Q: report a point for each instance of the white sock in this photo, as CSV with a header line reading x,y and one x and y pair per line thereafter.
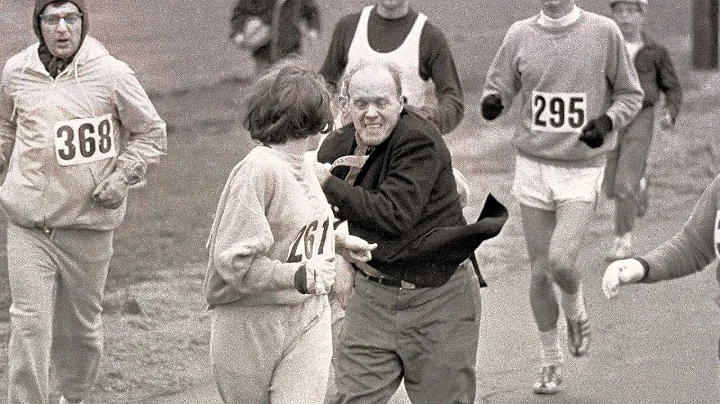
x,y
573,304
551,354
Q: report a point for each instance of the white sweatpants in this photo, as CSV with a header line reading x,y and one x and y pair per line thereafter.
x,y
56,284
272,353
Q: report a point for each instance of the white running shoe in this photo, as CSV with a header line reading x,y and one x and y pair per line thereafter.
x,y
549,381
621,248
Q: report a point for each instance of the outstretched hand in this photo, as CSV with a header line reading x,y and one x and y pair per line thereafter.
x,y
620,273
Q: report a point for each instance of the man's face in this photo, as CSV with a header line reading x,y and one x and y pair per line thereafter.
x,y
373,105
629,17
393,4
61,27
556,6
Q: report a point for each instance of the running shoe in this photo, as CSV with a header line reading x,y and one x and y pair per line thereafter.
x,y
578,336
549,382
621,248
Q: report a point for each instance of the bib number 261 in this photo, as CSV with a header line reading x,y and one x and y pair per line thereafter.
x,y
84,140
558,112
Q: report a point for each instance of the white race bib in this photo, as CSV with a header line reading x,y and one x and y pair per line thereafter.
x,y
558,112
79,141
313,239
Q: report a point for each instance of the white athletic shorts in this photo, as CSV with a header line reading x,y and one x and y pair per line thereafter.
x,y
545,186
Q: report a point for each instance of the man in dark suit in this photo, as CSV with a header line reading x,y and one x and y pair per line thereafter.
x,y
408,318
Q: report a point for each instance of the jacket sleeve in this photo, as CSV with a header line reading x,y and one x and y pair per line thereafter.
x,y
243,238
693,247
147,140
669,84
503,77
439,65
627,94
396,204
8,125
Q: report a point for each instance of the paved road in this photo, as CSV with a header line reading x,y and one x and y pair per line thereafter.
x,y
654,344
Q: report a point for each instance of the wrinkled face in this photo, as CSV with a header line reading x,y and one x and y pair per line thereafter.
x,y
61,27
374,105
629,17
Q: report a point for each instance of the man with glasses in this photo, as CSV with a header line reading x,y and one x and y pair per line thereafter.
x,y
65,107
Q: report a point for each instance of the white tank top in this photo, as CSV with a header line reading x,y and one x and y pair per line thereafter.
x,y
406,56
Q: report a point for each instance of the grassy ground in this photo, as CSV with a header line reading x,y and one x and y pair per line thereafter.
x,y
160,253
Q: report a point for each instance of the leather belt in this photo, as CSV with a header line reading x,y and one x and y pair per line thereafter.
x,y
386,281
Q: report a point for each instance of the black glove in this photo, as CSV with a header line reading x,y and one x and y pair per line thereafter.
x,y
593,134
492,107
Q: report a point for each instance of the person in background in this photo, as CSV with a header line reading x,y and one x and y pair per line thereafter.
x,y
576,85
272,30
625,180
393,32
272,250
76,131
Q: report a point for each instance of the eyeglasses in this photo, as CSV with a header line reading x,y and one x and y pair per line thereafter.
x,y
54,19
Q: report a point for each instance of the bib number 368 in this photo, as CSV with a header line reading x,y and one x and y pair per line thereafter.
x,y
84,140
558,112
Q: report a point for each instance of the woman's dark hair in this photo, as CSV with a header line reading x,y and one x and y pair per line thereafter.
x,y
290,102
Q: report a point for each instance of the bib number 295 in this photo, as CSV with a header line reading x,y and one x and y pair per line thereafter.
x,y
558,112
84,140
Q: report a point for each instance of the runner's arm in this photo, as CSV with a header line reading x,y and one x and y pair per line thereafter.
x,y
437,63
7,125
147,131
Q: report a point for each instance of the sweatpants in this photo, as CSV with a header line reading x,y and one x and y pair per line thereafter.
x,y
626,166
57,279
275,354
426,336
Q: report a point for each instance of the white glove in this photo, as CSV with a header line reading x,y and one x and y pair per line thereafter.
x,y
620,273
111,191
316,276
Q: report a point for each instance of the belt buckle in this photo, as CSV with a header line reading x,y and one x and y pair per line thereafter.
x,y
406,285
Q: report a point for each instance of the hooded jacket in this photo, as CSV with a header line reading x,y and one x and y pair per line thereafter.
x,y
39,118
52,63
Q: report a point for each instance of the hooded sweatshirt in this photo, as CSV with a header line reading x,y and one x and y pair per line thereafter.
x,y
53,64
60,137
272,215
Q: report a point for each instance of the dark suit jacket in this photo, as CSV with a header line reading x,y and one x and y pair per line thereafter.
x,y
404,190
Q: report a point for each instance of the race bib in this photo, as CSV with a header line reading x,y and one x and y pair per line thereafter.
x,y
80,141
314,238
558,112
